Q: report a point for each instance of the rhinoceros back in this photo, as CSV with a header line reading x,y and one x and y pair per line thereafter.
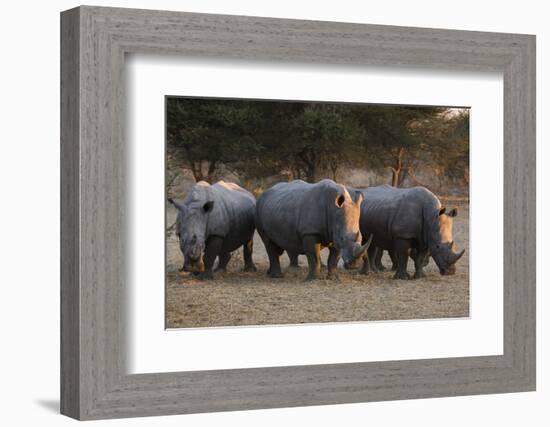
x,y
390,213
232,215
290,210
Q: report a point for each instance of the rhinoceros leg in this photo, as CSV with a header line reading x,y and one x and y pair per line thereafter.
x,y
223,260
212,250
273,253
401,250
374,257
332,263
378,260
413,254
293,258
368,260
247,255
393,260
420,257
312,248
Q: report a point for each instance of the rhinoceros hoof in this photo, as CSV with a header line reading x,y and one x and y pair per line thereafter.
x,y
249,268
205,275
419,275
275,275
311,278
402,275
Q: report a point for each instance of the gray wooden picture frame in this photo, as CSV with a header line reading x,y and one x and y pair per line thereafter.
x,y
94,381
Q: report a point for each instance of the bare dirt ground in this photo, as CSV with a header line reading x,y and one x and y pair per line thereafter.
x,y
236,298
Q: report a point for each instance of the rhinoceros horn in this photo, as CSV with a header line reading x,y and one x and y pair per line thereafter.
x,y
359,250
456,257
174,203
177,205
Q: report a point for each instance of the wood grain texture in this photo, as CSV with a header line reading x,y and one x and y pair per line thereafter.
x,y
70,258
95,383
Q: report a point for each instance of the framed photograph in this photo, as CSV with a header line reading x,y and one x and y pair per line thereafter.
x,y
369,168
262,213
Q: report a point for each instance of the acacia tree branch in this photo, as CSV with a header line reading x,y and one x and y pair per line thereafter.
x,y
212,169
416,180
303,156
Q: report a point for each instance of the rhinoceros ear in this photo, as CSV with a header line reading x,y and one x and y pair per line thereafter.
x,y
442,210
453,213
207,207
174,203
358,197
340,199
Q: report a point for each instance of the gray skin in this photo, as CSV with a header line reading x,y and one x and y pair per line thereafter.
x,y
293,258
407,221
301,218
213,221
293,261
373,261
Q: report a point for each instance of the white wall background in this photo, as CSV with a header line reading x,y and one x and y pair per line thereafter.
x,y
29,212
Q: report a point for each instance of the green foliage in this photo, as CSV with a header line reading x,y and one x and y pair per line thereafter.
x,y
450,144
307,140
205,131
323,135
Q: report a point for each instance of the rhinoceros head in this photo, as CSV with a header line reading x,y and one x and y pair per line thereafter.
x,y
442,247
346,236
191,232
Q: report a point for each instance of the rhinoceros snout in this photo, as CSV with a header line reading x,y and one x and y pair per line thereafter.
x,y
193,265
449,271
351,265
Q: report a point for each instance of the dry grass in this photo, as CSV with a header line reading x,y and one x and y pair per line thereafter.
x,y
237,298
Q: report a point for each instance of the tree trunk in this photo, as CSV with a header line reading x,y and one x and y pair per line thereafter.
x,y
402,176
211,171
311,173
198,170
397,168
309,158
333,165
294,171
466,175
395,177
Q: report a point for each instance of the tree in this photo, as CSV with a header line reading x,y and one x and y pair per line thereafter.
x,y
202,134
322,134
449,148
394,136
258,140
